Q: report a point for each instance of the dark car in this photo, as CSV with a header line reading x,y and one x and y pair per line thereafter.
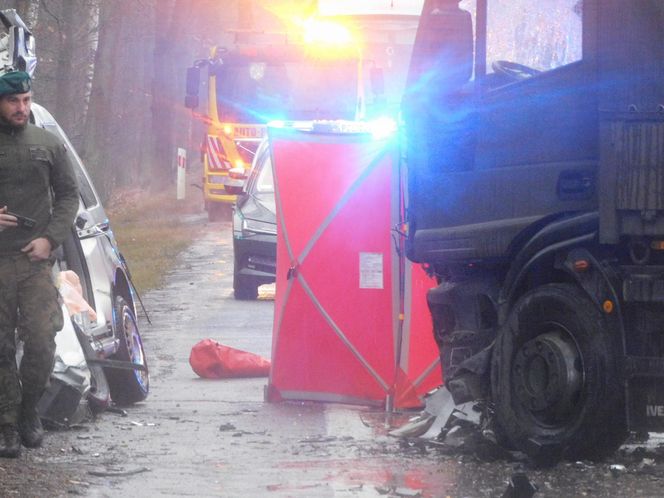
x,y
255,229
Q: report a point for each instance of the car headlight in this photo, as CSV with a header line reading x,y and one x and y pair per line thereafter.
x,y
258,226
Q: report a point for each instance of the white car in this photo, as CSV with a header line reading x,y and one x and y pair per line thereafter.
x,y
111,343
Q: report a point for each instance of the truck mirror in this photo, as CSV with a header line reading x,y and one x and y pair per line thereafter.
x,y
191,101
443,46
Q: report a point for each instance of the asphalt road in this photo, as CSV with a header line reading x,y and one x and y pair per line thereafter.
x,y
218,438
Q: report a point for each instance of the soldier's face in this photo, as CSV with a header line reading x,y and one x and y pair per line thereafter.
x,y
15,109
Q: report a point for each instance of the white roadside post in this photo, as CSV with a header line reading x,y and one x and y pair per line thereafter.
x,y
182,170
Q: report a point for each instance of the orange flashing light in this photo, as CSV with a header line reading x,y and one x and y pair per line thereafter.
x,y
228,130
239,163
581,265
608,306
328,33
657,245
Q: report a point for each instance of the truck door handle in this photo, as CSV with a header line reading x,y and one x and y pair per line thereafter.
x,y
576,185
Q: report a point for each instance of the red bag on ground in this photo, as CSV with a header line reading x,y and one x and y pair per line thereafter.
x,y
212,360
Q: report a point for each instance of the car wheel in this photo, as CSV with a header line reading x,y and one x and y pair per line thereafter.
x,y
556,385
127,386
244,288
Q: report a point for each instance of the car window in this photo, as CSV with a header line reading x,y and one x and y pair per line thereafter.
x,y
264,182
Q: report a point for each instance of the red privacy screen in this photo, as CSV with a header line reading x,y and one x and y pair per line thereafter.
x,y
350,323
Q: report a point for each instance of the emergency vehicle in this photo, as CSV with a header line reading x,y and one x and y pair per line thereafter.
x,y
311,71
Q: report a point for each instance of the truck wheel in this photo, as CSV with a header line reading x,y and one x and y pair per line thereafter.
x,y
127,386
555,381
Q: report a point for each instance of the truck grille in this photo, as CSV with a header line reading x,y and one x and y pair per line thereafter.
x,y
638,152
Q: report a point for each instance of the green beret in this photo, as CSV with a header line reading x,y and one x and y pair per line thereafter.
x,y
14,82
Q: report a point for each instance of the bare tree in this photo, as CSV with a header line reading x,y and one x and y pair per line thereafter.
x,y
97,140
112,72
28,10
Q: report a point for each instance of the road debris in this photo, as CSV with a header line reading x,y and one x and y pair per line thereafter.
x,y
519,487
398,491
117,410
118,473
212,360
617,469
407,492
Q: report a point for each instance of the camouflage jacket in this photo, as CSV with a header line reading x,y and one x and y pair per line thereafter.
x,y
37,181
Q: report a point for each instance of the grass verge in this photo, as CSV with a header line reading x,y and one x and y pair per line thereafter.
x,y
152,230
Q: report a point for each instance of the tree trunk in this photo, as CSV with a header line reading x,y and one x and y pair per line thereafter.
x,y
63,71
29,11
98,141
163,91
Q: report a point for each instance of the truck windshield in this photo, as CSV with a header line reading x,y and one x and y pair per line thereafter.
x,y
255,91
539,35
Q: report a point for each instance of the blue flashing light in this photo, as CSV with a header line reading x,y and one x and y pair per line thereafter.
x,y
382,127
379,128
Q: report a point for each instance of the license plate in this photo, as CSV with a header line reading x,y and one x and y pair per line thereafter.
x,y
646,404
249,132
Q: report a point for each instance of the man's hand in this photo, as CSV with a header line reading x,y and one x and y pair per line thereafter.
x,y
7,220
38,249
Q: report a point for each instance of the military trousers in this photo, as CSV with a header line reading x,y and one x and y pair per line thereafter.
x,y
30,310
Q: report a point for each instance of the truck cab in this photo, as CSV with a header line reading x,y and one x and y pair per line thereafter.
x,y
535,153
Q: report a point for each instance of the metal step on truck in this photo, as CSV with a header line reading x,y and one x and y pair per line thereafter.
x,y
535,184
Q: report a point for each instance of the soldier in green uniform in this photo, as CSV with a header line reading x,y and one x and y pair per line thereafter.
x,y
37,182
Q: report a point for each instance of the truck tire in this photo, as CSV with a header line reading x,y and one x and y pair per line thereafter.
x,y
127,386
555,379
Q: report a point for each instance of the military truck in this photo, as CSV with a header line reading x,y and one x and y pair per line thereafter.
x,y
535,186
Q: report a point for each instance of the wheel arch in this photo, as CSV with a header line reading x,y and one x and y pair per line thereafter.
x,y
122,286
539,269
547,256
